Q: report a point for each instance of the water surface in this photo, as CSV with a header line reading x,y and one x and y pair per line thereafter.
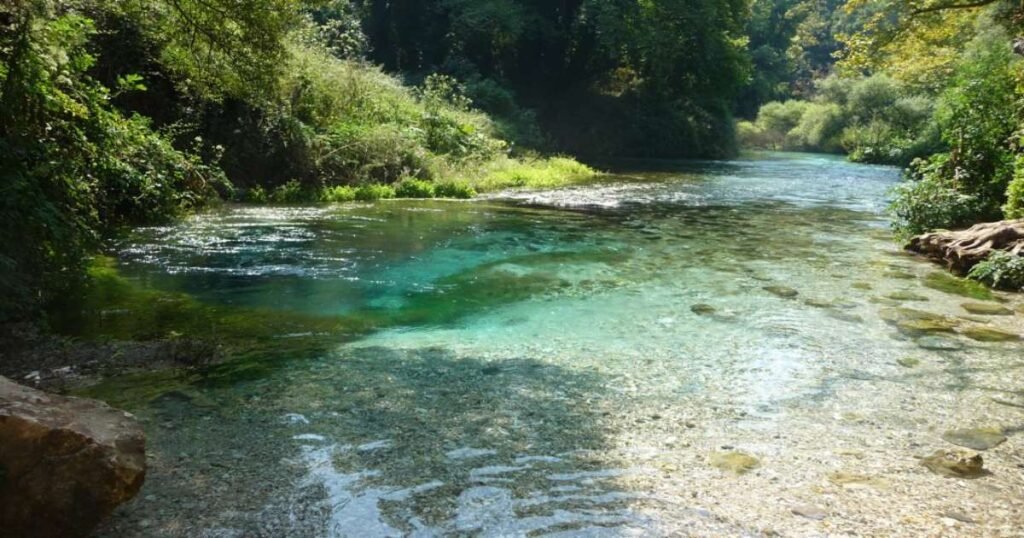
x,y
566,363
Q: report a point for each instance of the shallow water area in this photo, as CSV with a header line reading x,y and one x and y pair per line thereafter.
x,y
569,363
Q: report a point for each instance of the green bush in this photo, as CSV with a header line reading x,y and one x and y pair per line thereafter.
x,y
414,188
1014,208
927,201
454,189
374,191
257,195
1001,270
338,194
292,192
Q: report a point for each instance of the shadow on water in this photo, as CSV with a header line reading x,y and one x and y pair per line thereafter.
x,y
391,421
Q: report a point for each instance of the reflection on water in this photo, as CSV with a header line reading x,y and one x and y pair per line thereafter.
x,y
566,362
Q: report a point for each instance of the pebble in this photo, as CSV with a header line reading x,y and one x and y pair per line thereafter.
x,y
809,511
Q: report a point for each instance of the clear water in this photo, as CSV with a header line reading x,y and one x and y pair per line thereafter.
x,y
535,365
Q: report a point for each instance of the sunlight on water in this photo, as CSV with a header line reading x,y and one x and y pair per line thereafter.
x,y
569,362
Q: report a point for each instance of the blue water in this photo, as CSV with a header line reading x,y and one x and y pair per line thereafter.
x,y
567,362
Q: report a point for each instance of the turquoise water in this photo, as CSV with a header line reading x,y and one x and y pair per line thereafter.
x,y
568,362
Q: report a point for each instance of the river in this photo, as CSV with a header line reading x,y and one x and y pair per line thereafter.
x,y
571,362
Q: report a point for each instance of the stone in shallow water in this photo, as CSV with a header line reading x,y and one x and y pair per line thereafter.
x,y
703,309
985,334
782,291
938,343
987,309
955,463
734,462
926,326
947,283
861,286
908,362
906,296
809,511
818,303
976,438
853,480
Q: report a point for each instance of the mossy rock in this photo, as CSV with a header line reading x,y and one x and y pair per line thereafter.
x,y
734,462
987,309
975,438
703,309
915,327
782,291
955,464
987,334
905,295
938,343
853,480
908,362
861,286
818,303
947,283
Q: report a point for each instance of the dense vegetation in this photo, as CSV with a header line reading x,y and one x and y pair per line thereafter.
x,y
119,112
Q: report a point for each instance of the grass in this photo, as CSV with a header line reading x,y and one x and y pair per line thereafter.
x,y
528,173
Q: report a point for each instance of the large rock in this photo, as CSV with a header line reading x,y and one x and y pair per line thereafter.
x,y
961,250
65,463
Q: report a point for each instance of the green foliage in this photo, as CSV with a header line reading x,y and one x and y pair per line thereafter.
x,y
1001,270
1014,208
340,193
71,166
871,119
535,173
927,201
414,188
373,192
454,189
292,192
257,195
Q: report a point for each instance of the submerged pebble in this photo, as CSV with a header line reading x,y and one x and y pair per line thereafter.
x,y
987,309
735,462
782,291
986,334
809,511
955,463
976,438
938,343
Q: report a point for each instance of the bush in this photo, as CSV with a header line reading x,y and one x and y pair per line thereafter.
x,y
374,191
454,189
292,192
1014,208
257,195
1001,270
340,193
927,201
414,188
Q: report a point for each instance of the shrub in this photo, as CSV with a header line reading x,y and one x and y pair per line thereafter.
x,y
257,195
292,192
340,193
1014,208
927,201
454,189
1001,270
414,188
374,191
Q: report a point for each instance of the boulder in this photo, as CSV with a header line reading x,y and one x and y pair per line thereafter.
x,y
961,250
65,463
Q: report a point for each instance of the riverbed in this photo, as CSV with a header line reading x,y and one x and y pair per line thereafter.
x,y
572,363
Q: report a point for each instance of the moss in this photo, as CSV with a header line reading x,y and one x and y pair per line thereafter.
x,y
947,283
530,173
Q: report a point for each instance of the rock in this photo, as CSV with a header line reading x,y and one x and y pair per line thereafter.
x,y
809,511
975,438
734,462
782,291
961,250
853,481
818,303
67,462
915,327
955,463
987,309
908,362
861,286
952,285
703,309
959,516
938,343
986,334
905,295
